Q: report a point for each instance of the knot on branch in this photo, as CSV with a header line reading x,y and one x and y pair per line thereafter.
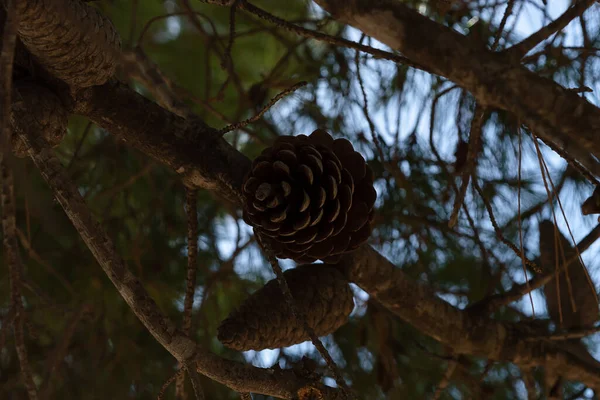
x,y
36,110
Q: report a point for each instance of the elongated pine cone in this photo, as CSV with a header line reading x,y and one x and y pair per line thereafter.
x,y
312,196
581,292
592,204
35,109
71,39
264,321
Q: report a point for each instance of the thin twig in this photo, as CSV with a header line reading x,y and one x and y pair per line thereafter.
x,y
37,258
133,21
520,220
578,158
238,376
7,322
537,207
60,351
192,248
86,131
26,373
227,59
136,64
520,49
445,379
191,209
289,299
15,268
266,108
131,179
507,13
9,40
338,41
11,247
543,166
499,234
573,334
151,21
366,106
469,170
196,385
530,382
517,291
165,386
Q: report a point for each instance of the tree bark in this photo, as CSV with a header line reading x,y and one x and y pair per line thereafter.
x,y
495,79
216,165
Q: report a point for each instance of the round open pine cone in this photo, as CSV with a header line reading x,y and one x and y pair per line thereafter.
x,y
264,321
312,197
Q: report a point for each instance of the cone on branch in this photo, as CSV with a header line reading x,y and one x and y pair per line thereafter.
x,y
311,196
264,321
592,204
36,109
571,300
70,39
574,287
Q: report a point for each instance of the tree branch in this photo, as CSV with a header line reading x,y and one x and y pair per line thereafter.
x,y
190,147
240,377
411,301
463,332
519,50
494,302
15,268
551,111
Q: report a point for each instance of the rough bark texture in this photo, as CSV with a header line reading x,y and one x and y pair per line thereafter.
x,y
237,376
191,148
205,160
463,332
413,302
495,79
40,110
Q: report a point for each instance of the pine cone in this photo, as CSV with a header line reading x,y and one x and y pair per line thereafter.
x,y
592,204
263,321
312,196
36,110
71,39
584,296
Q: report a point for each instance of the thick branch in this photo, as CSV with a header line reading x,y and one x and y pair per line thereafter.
x,y
462,331
496,80
240,377
191,148
411,301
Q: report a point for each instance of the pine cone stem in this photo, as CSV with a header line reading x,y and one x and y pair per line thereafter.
x,y
299,315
